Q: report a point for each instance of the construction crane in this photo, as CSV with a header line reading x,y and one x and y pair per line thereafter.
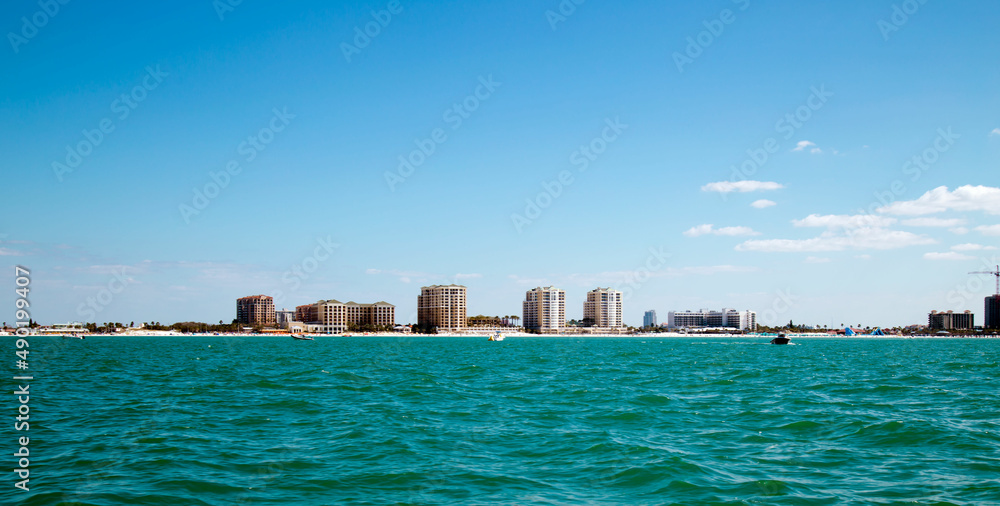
x,y
995,273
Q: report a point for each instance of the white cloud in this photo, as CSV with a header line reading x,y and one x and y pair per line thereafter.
x,y
762,203
523,281
933,222
727,231
816,260
844,221
972,247
711,269
988,229
622,278
863,257
996,131
802,145
6,252
857,239
959,230
699,230
409,276
741,186
951,255
964,198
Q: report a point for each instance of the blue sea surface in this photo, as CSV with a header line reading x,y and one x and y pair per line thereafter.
x,y
566,420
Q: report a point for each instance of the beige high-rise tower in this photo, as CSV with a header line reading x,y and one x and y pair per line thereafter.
x,y
603,308
442,306
544,310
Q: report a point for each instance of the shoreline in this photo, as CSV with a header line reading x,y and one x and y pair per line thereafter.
x,y
665,335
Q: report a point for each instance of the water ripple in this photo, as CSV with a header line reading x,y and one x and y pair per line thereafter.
x,y
435,420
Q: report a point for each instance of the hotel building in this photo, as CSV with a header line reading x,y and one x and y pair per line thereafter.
x,y
727,318
544,310
649,319
603,308
992,312
334,317
442,307
255,310
950,320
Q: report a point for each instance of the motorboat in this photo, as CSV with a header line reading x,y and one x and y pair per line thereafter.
x,y
781,339
498,336
301,337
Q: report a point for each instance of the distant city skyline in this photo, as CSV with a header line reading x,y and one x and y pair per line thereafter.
x,y
828,164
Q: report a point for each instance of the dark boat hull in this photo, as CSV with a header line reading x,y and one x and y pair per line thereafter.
x,y
780,340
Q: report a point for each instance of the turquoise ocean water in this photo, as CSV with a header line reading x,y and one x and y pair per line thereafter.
x,y
447,420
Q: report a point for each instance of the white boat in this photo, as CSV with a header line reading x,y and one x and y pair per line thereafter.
x,y
301,337
498,336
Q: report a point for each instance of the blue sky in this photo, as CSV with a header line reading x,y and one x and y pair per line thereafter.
x,y
638,129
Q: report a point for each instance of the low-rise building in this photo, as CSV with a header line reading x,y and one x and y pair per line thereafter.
x,y
282,317
727,318
335,317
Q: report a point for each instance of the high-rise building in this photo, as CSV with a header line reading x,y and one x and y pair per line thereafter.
x,y
992,312
950,320
255,310
649,319
727,318
335,317
442,307
603,308
544,309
